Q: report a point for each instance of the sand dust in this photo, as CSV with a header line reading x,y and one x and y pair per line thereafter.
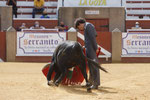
x,y
25,81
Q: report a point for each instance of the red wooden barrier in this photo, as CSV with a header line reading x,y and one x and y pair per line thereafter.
x,y
3,46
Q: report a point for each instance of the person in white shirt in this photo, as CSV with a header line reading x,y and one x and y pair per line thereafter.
x,y
37,26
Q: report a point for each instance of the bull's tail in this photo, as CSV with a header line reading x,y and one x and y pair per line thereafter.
x,y
92,62
95,63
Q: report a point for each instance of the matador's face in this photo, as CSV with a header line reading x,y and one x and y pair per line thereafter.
x,y
81,27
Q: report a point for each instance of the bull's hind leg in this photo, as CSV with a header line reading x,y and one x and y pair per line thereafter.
x,y
51,69
83,70
61,77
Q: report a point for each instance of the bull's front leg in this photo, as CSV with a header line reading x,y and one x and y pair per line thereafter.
x,y
51,69
61,77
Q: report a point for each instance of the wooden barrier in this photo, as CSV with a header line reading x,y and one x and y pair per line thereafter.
x,y
3,46
11,44
116,45
104,41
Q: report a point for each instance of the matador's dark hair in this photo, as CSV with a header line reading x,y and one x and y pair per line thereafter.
x,y
79,21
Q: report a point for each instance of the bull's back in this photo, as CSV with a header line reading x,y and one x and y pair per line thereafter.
x,y
68,52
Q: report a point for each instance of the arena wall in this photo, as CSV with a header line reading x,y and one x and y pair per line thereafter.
x,y
116,15
107,40
6,17
116,18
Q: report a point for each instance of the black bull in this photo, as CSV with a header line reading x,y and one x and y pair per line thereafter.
x,y
67,55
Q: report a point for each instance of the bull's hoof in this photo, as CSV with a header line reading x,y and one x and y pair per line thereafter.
x,y
49,83
56,84
88,84
89,90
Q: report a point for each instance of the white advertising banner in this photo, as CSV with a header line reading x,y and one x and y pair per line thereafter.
x,y
38,44
89,3
136,44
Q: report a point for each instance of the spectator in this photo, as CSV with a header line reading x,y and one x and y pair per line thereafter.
x,y
141,17
13,3
62,27
44,14
37,26
38,7
23,26
137,26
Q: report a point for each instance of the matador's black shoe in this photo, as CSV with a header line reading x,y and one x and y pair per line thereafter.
x,y
94,87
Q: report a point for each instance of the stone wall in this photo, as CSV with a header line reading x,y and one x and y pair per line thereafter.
x,y
116,15
5,17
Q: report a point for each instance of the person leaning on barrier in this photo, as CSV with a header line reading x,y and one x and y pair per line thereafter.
x,y
62,27
37,26
137,26
38,7
13,3
91,48
23,26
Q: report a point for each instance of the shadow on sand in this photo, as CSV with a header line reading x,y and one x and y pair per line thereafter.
x,y
77,89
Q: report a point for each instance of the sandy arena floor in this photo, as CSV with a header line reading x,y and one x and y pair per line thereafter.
x,y
25,81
